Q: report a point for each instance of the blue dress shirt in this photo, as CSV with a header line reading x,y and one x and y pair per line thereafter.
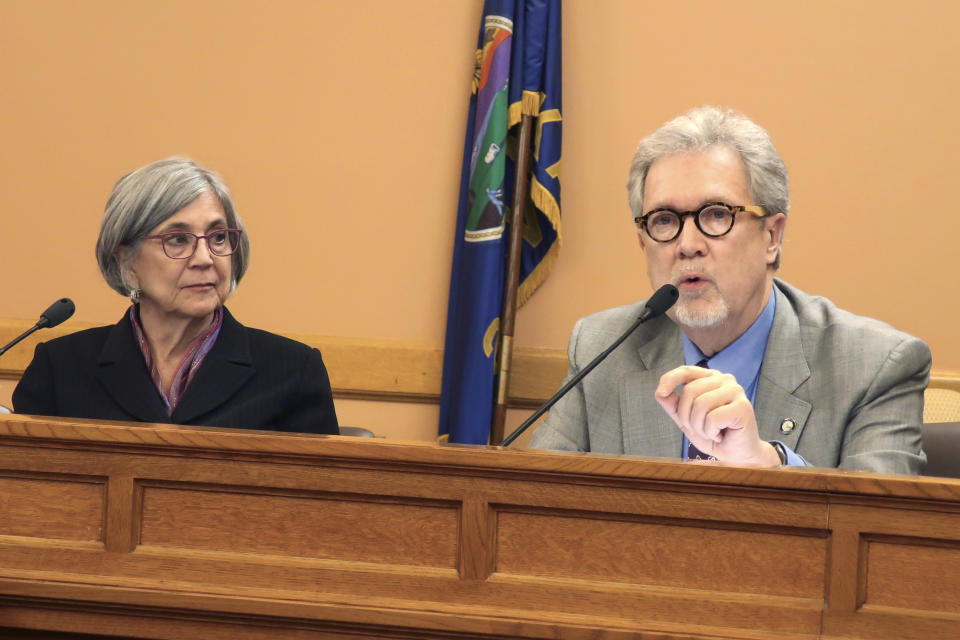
x,y
742,358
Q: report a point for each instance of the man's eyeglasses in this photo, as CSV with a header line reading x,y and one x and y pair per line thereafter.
x,y
181,245
714,219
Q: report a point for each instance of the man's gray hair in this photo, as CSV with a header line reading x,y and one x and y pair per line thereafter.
x,y
707,126
145,198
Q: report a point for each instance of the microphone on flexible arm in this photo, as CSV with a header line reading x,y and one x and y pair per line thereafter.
x,y
54,315
662,299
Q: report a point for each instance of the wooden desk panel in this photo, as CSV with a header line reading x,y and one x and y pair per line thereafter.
x,y
166,532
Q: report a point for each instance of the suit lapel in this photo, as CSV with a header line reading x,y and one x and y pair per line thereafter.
x,y
784,370
651,432
647,429
122,372
224,371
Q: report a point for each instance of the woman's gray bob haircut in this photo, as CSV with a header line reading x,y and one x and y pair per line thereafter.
x,y
145,198
704,127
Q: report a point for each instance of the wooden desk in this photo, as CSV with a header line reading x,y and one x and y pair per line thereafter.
x,y
167,532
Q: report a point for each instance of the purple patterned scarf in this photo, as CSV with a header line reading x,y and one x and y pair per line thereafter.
x,y
189,364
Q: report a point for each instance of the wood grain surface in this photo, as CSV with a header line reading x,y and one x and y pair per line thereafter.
x,y
160,531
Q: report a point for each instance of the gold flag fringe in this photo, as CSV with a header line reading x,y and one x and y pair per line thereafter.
x,y
547,205
538,275
529,104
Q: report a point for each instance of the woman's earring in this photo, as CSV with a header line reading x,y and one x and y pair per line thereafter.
x,y
135,295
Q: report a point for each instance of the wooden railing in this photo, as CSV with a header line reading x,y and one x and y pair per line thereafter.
x,y
382,370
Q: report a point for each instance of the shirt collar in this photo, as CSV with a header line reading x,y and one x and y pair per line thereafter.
x,y
744,355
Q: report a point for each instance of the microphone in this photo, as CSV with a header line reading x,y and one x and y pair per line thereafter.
x,y
659,302
54,315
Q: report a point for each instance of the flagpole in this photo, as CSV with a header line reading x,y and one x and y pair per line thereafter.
x,y
512,283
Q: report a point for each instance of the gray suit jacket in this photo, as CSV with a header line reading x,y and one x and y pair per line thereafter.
x,y
852,386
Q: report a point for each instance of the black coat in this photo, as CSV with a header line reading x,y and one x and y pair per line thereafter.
x,y
250,379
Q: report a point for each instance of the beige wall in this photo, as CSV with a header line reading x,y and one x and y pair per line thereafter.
x,y
339,126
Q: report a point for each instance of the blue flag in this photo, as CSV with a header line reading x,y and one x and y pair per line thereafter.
x,y
517,73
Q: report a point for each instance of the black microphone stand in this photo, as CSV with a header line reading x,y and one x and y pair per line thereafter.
x,y
54,315
19,338
571,383
659,302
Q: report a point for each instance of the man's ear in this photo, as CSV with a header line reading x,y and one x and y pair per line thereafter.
x,y
643,246
774,228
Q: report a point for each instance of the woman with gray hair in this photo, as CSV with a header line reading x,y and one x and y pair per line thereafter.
x,y
172,241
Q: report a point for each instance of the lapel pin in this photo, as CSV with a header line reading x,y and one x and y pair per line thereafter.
x,y
787,426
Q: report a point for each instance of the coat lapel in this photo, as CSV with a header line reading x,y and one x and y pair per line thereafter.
x,y
784,370
122,372
647,429
224,371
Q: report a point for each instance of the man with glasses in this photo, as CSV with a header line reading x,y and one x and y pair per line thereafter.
x,y
744,368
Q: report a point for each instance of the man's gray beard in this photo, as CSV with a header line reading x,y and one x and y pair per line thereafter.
x,y
708,316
